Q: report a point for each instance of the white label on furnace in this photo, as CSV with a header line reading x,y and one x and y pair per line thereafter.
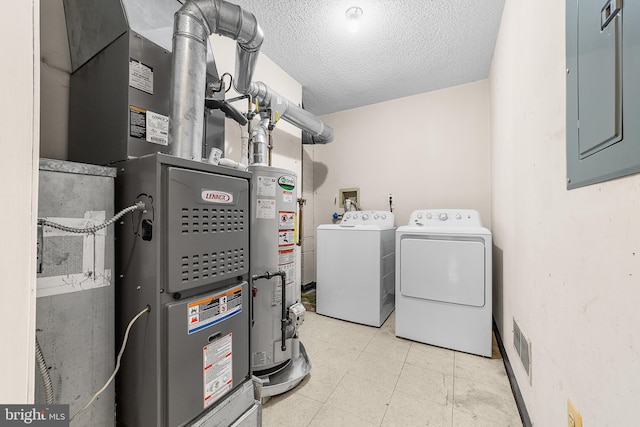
x,y
265,208
140,76
218,369
266,186
287,196
157,128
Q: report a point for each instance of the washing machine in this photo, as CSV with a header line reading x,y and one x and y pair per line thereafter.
x,y
355,272
443,280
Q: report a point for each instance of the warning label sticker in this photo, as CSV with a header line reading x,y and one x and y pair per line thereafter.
x,y
137,122
217,360
140,76
148,125
287,220
208,311
289,269
285,238
285,256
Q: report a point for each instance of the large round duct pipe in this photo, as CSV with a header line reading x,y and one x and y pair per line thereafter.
x,y
291,113
193,23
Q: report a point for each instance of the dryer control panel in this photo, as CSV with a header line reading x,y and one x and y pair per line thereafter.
x,y
446,218
378,218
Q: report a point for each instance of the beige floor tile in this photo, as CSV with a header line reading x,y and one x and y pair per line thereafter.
x,y
406,410
335,357
361,398
483,401
311,344
352,336
431,357
320,383
465,419
481,369
392,347
426,384
322,328
329,416
289,410
377,368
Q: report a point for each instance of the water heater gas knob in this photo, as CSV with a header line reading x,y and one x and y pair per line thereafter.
x,y
443,217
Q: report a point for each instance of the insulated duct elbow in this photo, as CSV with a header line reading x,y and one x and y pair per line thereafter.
x,y
291,113
193,24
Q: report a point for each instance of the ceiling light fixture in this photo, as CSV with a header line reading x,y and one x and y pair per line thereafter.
x,y
353,14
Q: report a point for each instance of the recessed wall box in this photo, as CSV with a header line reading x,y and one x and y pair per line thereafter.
x,y
602,88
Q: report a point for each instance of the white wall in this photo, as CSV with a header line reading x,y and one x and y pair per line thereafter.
x,y
569,261
19,121
429,150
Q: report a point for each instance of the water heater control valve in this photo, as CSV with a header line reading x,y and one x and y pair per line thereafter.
x,y
296,314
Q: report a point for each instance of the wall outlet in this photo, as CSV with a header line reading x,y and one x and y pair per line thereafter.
x,y
575,419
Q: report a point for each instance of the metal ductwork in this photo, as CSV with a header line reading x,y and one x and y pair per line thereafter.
x,y
193,23
291,113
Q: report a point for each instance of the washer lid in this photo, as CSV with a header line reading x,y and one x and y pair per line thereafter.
x,y
436,269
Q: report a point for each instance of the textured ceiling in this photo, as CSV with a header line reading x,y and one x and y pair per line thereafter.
x,y
403,47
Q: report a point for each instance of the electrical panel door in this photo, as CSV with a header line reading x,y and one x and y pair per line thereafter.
x,y
603,56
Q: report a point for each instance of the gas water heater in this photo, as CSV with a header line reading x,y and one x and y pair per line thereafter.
x,y
278,357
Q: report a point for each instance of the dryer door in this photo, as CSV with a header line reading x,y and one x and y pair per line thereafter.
x,y
443,269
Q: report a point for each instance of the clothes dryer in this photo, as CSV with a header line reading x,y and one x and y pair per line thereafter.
x,y
355,277
443,280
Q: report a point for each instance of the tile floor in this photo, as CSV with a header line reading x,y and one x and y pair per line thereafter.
x,y
366,376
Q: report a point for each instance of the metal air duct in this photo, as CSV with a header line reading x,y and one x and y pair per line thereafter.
x,y
194,22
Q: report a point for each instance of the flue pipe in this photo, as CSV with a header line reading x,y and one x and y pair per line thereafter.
x,y
193,23
291,113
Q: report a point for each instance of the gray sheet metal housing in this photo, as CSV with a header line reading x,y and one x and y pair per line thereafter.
x,y
603,56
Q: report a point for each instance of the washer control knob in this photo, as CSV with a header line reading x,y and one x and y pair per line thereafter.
x,y
443,217
355,216
376,216
365,217
429,216
384,217
419,216
458,216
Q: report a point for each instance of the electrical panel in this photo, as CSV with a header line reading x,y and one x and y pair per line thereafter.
x,y
603,57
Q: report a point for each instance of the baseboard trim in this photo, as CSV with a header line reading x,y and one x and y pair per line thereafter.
x,y
515,389
309,286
